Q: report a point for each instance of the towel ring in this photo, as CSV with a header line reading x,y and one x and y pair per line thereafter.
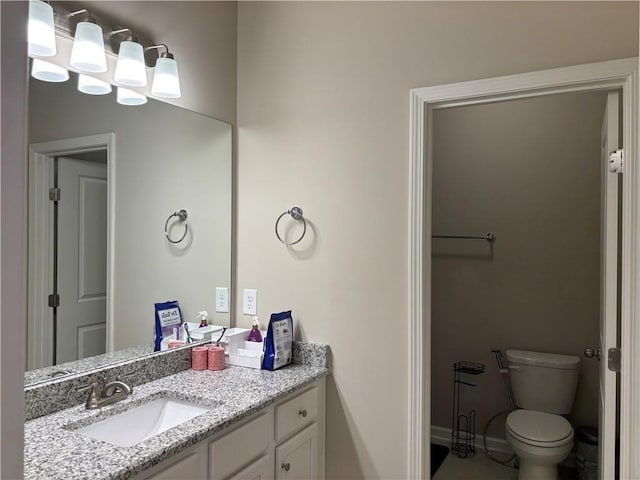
x,y
182,216
296,214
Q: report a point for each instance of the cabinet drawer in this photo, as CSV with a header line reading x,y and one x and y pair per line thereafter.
x,y
296,413
235,449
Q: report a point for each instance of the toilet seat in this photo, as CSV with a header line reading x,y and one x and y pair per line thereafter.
x,y
539,428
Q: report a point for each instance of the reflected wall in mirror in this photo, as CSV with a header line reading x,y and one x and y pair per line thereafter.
x,y
128,168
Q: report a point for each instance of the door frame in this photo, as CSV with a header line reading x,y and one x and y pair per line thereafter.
x,y
616,74
40,256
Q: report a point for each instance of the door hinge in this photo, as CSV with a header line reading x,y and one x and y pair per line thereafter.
x,y
54,194
54,300
616,161
613,359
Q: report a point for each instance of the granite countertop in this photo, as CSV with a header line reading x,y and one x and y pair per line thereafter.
x,y
54,451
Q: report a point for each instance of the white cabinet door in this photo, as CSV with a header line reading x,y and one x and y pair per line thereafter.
x,y
297,458
237,449
191,467
261,469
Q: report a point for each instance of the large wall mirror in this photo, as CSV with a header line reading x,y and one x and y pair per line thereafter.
x,y
122,172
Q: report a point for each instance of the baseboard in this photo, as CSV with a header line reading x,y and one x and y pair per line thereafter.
x,y
442,436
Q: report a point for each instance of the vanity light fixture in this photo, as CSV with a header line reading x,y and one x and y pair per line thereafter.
x,y
48,72
92,86
87,53
41,30
166,81
131,70
129,97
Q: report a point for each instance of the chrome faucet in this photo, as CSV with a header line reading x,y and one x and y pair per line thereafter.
x,y
111,393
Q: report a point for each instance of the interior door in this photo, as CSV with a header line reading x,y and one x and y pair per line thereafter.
x,y
82,259
609,292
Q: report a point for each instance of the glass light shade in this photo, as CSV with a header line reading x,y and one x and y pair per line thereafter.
x,y
92,86
87,54
166,82
130,69
42,36
129,97
48,72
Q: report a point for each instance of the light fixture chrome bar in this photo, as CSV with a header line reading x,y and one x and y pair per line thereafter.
x,y
65,25
80,12
156,48
123,30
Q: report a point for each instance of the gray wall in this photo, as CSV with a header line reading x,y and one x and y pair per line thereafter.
x,y
323,117
13,293
528,170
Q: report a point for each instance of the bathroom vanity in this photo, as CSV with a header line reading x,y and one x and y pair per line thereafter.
x,y
258,424
286,438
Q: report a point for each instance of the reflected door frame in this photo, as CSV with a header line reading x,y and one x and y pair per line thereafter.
x,y
616,74
40,260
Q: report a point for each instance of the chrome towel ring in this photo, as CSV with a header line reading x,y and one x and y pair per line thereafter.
x,y
296,214
182,217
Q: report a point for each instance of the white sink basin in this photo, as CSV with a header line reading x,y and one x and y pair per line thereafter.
x,y
133,426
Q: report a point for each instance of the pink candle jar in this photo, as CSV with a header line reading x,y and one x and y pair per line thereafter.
x,y
216,357
199,358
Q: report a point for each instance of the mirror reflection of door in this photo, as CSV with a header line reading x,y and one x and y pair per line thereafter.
x,y
80,254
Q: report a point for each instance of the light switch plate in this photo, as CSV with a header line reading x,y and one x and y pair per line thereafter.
x,y
249,301
222,300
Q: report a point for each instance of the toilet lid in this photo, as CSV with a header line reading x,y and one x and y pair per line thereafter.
x,y
539,428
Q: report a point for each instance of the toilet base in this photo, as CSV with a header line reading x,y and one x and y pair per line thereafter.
x,y
539,463
529,471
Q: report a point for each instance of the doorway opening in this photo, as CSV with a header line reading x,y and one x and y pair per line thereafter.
x,y
605,76
530,172
70,249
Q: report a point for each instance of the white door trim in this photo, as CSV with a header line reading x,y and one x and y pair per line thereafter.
x,y
39,317
616,74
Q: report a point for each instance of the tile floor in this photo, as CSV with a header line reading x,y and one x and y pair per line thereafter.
x,y
479,467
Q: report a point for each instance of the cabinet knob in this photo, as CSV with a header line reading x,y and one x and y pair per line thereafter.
x,y
286,466
303,413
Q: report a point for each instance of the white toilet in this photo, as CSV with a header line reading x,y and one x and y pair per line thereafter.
x,y
544,386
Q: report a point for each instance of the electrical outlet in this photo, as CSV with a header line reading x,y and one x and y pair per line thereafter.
x,y
249,301
222,300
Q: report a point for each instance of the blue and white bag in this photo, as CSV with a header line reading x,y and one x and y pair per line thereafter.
x,y
168,318
278,344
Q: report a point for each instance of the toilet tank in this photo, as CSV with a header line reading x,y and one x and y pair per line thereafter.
x,y
545,382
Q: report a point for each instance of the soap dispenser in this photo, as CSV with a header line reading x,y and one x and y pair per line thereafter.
x,y
203,316
254,334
